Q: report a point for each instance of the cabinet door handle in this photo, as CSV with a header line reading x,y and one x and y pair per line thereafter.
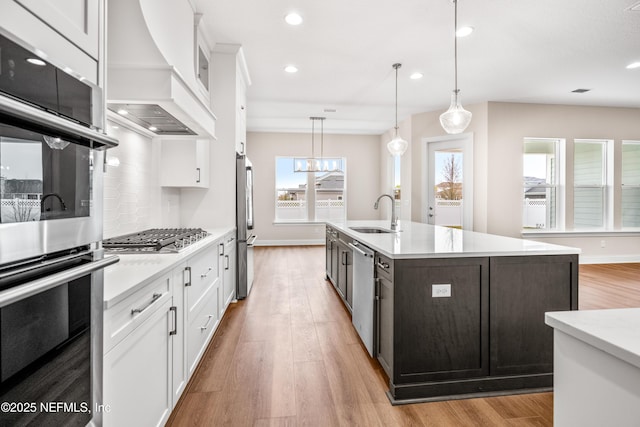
x,y
203,275
198,180
221,249
187,270
383,265
154,298
175,320
206,325
226,262
242,148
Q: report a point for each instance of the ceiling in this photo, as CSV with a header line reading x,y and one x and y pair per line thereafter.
x,y
533,51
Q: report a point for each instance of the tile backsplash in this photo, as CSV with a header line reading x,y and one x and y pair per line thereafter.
x,y
133,197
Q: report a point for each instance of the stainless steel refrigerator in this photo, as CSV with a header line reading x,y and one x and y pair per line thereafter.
x,y
244,225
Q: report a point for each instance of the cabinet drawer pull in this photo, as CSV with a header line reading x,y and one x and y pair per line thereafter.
x,y
221,249
154,298
206,325
175,320
187,270
203,275
226,262
383,265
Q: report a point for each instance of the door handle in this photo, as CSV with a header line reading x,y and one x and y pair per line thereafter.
x,y
175,320
187,270
154,298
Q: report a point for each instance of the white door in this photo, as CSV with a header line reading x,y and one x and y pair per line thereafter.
x,y
448,177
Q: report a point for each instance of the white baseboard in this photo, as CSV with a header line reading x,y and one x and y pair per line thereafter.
x,y
312,242
609,259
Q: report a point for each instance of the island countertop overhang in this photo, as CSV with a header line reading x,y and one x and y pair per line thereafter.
x,y
417,240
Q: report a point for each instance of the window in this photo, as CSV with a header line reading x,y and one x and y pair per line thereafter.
x,y
631,183
294,201
541,167
590,179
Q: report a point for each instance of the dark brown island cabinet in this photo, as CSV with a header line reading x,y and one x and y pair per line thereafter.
x,y
456,326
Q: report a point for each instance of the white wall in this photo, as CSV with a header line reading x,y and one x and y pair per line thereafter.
x,y
363,171
133,198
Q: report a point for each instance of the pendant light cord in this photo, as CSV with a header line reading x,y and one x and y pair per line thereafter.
x,y
396,66
455,43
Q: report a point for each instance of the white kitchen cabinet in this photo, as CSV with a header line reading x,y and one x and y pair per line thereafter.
x,y
184,163
229,94
137,372
201,299
67,32
201,325
155,337
228,270
241,112
76,20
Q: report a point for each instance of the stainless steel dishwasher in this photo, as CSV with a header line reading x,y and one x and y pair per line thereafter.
x,y
363,315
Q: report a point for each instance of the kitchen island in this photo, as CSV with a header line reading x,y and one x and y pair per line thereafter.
x,y
457,314
597,367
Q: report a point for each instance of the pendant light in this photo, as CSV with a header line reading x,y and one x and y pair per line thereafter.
x,y
456,118
397,146
316,164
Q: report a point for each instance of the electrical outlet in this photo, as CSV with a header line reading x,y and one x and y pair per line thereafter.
x,y
441,290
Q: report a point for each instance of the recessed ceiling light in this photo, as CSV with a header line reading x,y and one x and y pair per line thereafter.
x,y
633,66
416,76
115,127
123,112
291,69
464,31
293,19
36,61
153,128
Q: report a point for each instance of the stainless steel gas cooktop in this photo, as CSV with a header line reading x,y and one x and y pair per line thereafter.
x,y
155,240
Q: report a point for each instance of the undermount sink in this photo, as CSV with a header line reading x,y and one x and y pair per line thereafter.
x,y
371,230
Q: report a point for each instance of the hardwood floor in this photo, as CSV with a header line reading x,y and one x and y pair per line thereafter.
x,y
288,356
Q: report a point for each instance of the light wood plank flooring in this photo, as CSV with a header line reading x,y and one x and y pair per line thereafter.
x,y
288,356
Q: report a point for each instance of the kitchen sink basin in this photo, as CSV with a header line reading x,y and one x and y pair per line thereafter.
x,y
376,230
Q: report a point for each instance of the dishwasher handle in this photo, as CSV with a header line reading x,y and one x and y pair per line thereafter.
x,y
365,254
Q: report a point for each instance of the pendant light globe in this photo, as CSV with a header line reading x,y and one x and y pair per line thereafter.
x,y
456,118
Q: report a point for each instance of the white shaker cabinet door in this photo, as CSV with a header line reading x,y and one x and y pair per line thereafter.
x,y
76,20
137,379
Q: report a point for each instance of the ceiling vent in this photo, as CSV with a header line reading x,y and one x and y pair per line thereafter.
x,y
580,90
634,7
151,117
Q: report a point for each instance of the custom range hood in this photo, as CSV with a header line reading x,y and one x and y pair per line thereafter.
x,y
151,77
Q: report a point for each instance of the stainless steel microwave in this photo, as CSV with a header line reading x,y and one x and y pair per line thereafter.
x,y
51,156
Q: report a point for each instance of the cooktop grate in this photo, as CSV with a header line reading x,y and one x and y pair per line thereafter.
x,y
155,240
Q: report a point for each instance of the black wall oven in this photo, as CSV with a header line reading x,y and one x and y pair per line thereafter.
x,y
51,260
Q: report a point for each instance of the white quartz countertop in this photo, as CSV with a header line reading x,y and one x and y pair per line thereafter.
x,y
135,271
614,331
418,240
